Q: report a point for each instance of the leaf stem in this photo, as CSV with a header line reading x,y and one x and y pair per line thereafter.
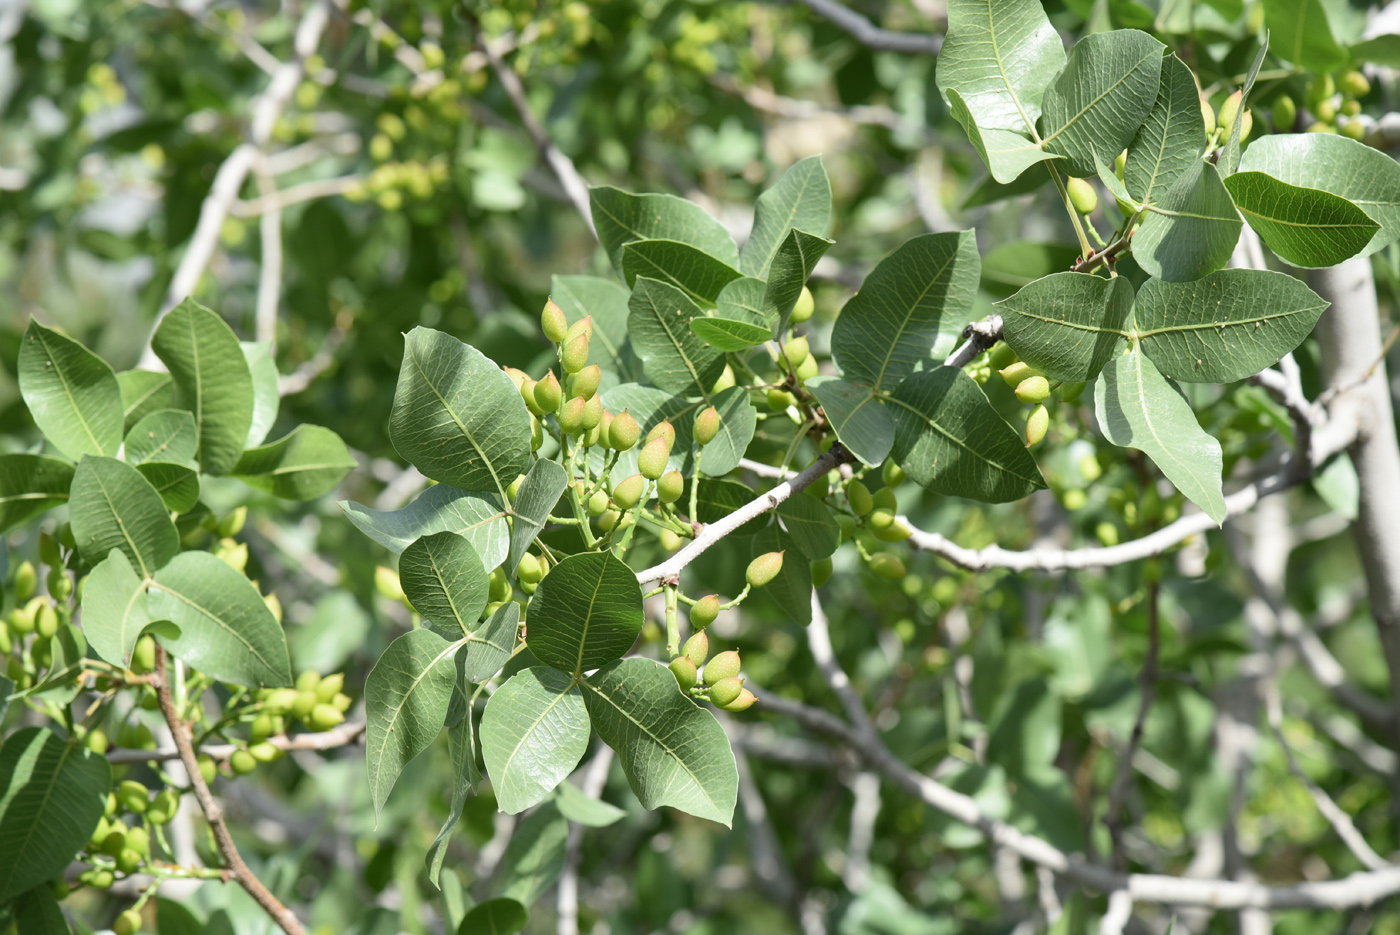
x,y
1069,206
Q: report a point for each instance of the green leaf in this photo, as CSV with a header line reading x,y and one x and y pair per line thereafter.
x,y
999,55
1014,265
72,394
587,611
1304,226
267,393
1380,50
792,265
302,465
114,609
622,217
534,857
801,199
443,579
809,523
37,913
949,439
717,498
1139,408
1226,326
1229,161
1096,105
52,794
1005,153
694,272
163,435
489,646
112,506
673,752
1171,138
143,392
177,484
466,775
574,805
861,421
650,406
912,304
29,485
68,649
1191,230
533,733
477,516
212,380
499,916
226,630
739,321
1299,33
606,301
728,334
457,416
1368,178
674,357
406,697
1068,325
538,494
790,592
737,420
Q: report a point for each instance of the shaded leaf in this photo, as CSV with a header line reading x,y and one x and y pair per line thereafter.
x,y
739,320
574,805
538,494
797,256
737,420
443,578
302,465
1229,160
1000,55
112,506
790,591
466,775
177,484
801,199
489,646
700,276
163,435
267,393
861,421
674,357
72,394
1306,226
1299,33
1005,153
533,733
143,392
1191,230
534,857
478,517
1011,266
29,485
587,611
114,609
622,217
1171,137
810,525
499,916
1068,325
406,698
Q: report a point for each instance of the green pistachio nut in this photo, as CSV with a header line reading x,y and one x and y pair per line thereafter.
x,y
704,611
1355,84
1119,161
330,686
99,834
624,432
573,356
143,657
1082,195
725,691
242,762
342,701
553,322
663,429
745,701
804,307
892,474
265,752
887,565
1017,372
669,540
46,620
1033,390
780,400
608,520
1070,392
858,495
1207,116
584,326
324,717
499,587
629,492
670,487
604,430
880,518
885,499
208,769
1354,129
697,648
592,418
548,393
528,571
894,532
163,809
807,369
102,879
1036,426
571,417
138,839
128,923
60,585
527,393
26,580
115,841
597,503
133,796
585,382
725,381
49,552
96,741
796,351
684,671
724,666
821,571
652,461
306,703
764,569
706,426
1285,114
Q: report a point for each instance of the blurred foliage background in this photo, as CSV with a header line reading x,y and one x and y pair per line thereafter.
x,y
408,191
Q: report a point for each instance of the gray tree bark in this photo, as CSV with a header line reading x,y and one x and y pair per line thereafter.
x,y
1351,345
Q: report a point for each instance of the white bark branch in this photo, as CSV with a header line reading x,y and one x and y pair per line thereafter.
x,y
595,776
872,36
338,736
274,201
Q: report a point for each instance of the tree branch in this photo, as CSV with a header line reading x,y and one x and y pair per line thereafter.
x,y
338,736
595,776
237,869
870,35
671,568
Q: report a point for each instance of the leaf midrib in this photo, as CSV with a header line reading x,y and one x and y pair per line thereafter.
x,y
68,748
183,598
956,441
412,353
58,372
909,314
1167,450
403,702
534,725
1107,91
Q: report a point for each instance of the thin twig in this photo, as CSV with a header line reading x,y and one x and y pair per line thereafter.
x,y
339,736
1123,779
270,274
872,36
274,201
213,813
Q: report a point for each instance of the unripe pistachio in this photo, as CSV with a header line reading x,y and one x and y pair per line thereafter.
x,y
128,861
779,400
342,701
745,701
706,425
514,487
880,519
208,769
1017,372
796,351
670,487
858,495
629,492
138,839
529,570
725,381
1107,533
1089,468
242,762
133,796
1351,108
115,841
46,620
724,666
887,565
764,569
101,879
697,648
500,585
894,532
1033,390
96,741
624,432
604,428
266,752
583,326
1323,87
1069,392
99,834
804,307
652,461
821,571
684,671
585,382
885,499
704,611
308,680
41,652
592,416
232,524
553,322
573,356
21,619
571,417
128,923
1036,426
1082,195
60,889
807,369
548,393
6,644
26,579
1285,114
1074,499
306,703
1355,84
516,375
49,552
165,806
608,520
1229,111
1320,127
274,605
330,686
892,473
725,691
669,540
663,429
143,657
1207,116
1354,129
597,503
1119,162
527,393
324,717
